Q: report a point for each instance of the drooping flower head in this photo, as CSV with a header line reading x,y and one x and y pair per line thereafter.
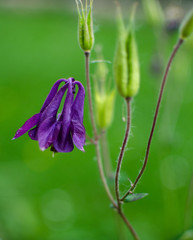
x,y
60,131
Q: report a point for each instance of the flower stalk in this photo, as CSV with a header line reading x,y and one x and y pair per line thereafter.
x,y
98,154
176,48
121,155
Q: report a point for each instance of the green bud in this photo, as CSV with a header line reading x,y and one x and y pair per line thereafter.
x,y
154,12
104,108
186,28
126,63
85,26
104,97
102,70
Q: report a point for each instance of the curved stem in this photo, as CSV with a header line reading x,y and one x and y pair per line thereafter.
x,y
99,161
180,41
128,100
101,171
133,232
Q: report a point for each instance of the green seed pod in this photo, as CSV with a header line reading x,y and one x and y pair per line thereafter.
x,y
104,97
104,108
85,26
153,12
186,28
126,63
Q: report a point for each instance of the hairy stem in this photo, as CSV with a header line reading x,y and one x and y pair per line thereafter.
x,y
128,101
99,161
180,41
119,207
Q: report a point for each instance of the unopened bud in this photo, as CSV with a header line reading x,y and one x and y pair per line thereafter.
x,y
104,97
154,12
186,28
126,63
104,108
85,28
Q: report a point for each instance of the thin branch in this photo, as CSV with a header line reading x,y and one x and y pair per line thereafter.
x,y
180,41
128,101
133,232
91,141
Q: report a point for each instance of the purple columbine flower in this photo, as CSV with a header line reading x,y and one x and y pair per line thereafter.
x,y
62,130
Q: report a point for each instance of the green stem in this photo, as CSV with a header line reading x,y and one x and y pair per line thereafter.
x,y
99,161
180,41
128,102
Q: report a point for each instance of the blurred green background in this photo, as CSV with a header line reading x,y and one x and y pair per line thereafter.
x,y
59,198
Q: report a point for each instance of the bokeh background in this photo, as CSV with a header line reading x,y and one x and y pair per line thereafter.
x,y
62,198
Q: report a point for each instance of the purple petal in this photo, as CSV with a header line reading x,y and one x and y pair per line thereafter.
x,y
78,105
48,120
30,123
78,134
52,109
64,142
66,112
33,134
46,134
78,130
52,94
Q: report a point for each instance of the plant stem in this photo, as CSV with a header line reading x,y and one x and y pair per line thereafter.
x,y
99,161
128,101
134,234
119,209
179,43
87,57
100,166
106,155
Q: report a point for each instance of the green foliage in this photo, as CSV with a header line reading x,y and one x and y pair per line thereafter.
x,y
134,197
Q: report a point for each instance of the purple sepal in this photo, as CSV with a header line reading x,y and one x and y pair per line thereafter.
x,y
30,123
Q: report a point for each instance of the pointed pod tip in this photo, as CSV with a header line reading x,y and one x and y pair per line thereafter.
x,y
186,28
